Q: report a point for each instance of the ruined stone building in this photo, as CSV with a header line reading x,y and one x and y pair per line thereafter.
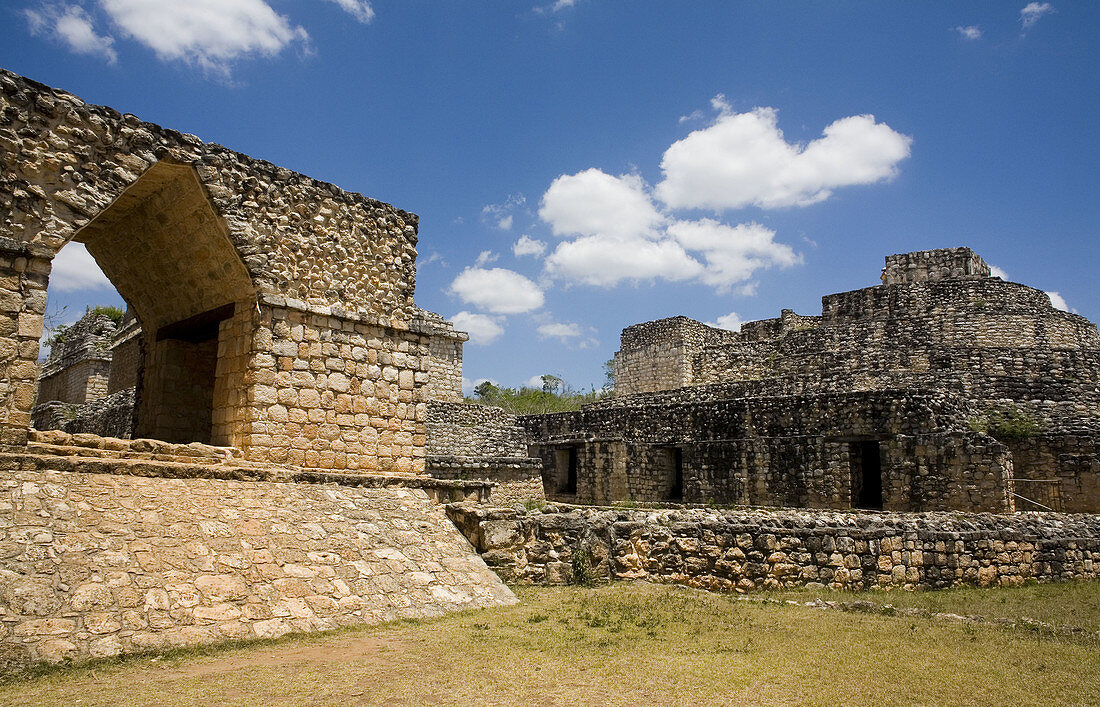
x,y
941,388
272,474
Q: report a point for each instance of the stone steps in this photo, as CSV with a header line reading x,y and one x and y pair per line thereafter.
x,y
93,453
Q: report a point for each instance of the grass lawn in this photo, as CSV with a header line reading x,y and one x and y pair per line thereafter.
x,y
1070,604
631,644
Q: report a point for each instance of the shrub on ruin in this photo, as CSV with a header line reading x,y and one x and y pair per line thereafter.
x,y
1006,422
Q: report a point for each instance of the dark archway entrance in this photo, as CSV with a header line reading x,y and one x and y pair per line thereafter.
x,y
169,256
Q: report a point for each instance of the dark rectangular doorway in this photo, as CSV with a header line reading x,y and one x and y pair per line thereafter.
x,y
567,470
866,463
676,487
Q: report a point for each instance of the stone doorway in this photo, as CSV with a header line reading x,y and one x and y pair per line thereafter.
x,y
566,464
673,458
866,464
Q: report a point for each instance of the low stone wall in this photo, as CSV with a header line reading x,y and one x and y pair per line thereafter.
x,y
485,443
743,550
98,565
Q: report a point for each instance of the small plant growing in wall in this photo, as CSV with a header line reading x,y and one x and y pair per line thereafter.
x,y
581,565
1006,422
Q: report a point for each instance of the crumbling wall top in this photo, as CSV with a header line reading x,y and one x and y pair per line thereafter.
x,y
938,264
90,337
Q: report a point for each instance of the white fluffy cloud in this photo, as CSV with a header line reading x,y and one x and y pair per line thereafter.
x,y
482,328
969,32
998,272
359,9
742,159
497,290
732,253
625,237
560,330
731,321
528,246
206,33
606,261
1058,301
1033,12
210,34
572,335
74,269
594,203
72,26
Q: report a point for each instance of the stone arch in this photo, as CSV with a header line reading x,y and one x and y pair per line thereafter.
x,y
167,252
321,354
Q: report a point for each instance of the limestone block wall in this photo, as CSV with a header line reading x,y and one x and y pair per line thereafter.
x,y
24,275
1057,471
745,550
445,350
335,392
78,366
481,442
183,229
658,355
465,429
105,564
126,356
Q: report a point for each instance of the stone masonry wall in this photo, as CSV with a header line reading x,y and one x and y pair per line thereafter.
x,y
658,355
24,275
335,393
744,550
467,441
183,229
101,564
64,161
933,265
126,355
795,451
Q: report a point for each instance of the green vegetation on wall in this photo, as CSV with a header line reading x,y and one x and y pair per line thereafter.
x,y
556,395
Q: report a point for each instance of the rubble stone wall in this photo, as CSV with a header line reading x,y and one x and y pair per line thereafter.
x,y
65,161
109,416
105,564
744,550
481,442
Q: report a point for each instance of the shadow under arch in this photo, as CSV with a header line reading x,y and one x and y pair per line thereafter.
x,y
167,251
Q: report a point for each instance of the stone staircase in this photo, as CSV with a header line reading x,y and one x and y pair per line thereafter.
x,y
54,450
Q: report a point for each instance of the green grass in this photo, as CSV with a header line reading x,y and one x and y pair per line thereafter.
x,y
1071,604
626,644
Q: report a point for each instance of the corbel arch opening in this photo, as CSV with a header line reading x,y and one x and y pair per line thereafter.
x,y
169,255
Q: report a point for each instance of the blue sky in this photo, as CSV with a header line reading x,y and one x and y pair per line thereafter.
x,y
580,166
